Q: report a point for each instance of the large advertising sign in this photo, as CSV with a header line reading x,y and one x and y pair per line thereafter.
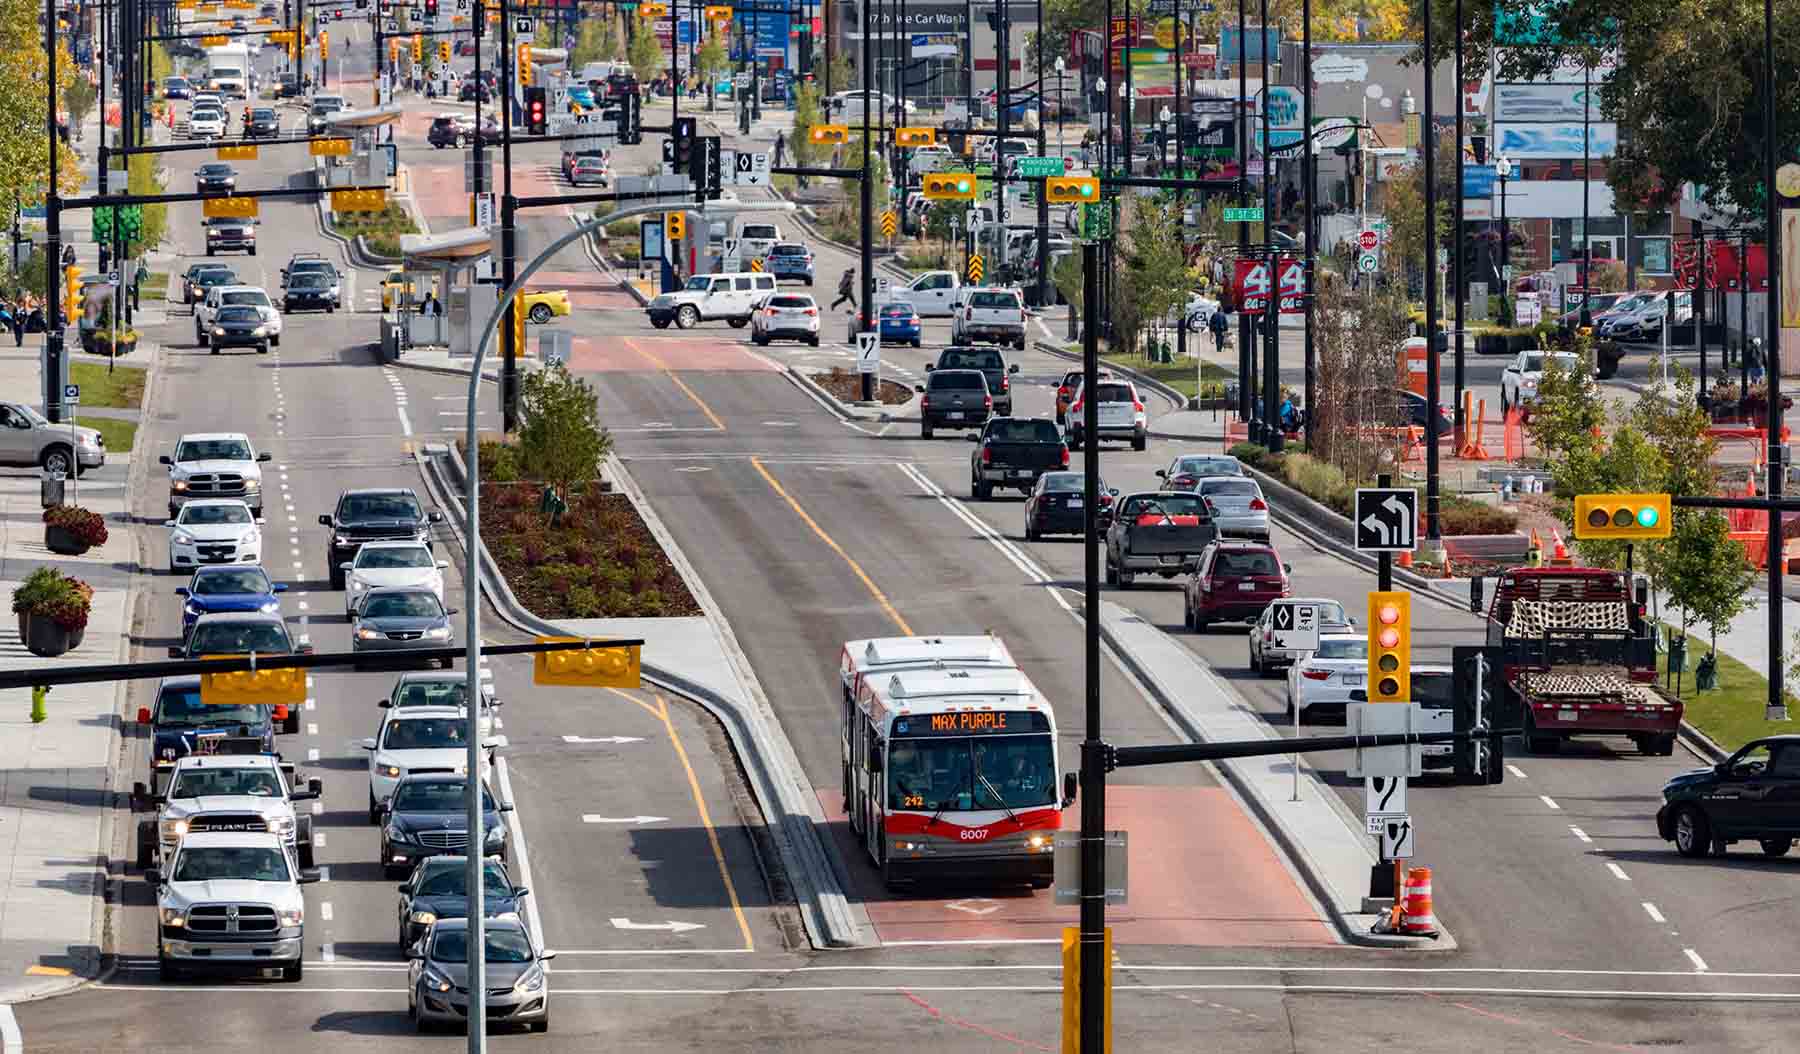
x,y
1555,142
1250,285
1544,102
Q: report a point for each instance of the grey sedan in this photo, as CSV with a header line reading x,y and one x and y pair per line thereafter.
x,y
401,619
1237,506
518,992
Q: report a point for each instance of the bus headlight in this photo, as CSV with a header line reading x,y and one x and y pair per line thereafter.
x,y
1040,843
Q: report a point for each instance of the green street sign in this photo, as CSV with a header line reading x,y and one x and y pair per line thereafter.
x,y
1096,221
1040,167
1245,215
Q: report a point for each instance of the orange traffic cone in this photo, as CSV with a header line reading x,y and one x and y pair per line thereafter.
x,y
1416,918
1560,555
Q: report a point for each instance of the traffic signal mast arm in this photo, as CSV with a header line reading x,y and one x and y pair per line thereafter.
x,y
104,200
215,144
1169,753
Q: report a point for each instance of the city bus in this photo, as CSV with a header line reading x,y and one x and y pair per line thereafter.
x,y
951,774
864,658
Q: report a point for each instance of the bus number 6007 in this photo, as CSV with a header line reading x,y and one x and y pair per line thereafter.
x,y
974,836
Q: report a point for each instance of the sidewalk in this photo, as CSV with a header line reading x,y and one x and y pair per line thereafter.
x,y
56,778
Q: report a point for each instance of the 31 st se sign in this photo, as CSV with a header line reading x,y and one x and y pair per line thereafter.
x,y
1250,283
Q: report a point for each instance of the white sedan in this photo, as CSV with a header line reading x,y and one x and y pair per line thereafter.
x,y
208,123
213,531
381,564
1519,383
1327,676
415,739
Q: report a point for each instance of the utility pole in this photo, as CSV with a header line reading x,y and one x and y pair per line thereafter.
x,y
53,320
867,183
1308,176
1777,459
1428,141
1271,393
1094,998
509,344
1044,298
1459,279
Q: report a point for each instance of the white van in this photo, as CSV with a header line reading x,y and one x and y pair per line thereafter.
x,y
732,296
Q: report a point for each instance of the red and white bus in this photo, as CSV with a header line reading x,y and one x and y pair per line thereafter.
x,y
951,774
864,658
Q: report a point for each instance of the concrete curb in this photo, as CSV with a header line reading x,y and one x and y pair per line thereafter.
x,y
591,246
1161,389
446,371
794,816
844,410
1316,885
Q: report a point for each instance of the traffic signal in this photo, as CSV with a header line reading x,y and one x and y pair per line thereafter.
x,y
524,63
71,293
1081,190
1631,517
431,10
593,667
418,48
324,44
443,53
537,121
917,136
682,134
1390,647
674,226
829,134
950,186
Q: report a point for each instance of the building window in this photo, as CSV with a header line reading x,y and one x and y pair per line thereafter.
x,y
1653,256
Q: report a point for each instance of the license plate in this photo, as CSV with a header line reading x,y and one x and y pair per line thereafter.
x,y
1248,587
1353,680
1017,473
955,415
1074,503
1566,715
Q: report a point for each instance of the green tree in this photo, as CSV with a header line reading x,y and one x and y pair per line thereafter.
x,y
1403,205
710,61
1152,270
1568,411
78,97
806,115
598,41
645,54
1705,572
144,177
1355,334
561,440
1068,278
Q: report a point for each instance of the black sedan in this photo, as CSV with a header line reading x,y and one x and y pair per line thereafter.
x,y
200,278
312,290
238,326
1055,506
264,123
215,177
426,816
439,889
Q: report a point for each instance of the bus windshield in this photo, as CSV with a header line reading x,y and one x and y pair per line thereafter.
x,y
963,773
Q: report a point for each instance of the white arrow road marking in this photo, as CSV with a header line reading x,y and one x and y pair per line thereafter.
x,y
603,739
672,927
595,818
975,906
1373,523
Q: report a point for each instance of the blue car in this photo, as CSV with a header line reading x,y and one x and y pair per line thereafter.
x,y
899,323
790,260
180,725
227,588
581,95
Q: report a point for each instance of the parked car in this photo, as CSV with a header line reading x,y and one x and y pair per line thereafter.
x,y
1233,583
786,316
953,399
1056,505
28,438
1519,382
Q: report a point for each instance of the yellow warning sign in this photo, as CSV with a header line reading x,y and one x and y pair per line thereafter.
x,y
975,267
887,223
756,264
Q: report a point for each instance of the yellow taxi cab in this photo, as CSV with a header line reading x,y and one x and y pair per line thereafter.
x,y
541,305
395,284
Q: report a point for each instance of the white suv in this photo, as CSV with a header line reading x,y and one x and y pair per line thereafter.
x,y
225,792
706,297
1120,413
236,296
215,465
231,900
412,740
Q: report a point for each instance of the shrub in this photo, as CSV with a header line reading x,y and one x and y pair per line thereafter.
x,y
1459,516
48,593
1323,483
88,527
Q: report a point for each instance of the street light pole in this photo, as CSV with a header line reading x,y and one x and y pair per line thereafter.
x,y
1308,176
1776,710
1459,280
1428,140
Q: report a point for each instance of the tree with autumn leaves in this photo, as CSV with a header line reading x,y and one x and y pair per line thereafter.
x,y
24,144
1333,21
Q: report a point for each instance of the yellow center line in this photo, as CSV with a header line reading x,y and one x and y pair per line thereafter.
x,y
679,383
869,583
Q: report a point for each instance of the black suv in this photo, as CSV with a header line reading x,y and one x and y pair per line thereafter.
x,y
1753,794
992,365
264,123
376,514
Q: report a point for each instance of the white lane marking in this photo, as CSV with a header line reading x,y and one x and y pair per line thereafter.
x,y
310,703
324,873
1547,800
602,739
309,681
1618,872
405,423
318,808
312,729
972,942
1655,915
1007,549
1694,957
303,604
671,926
312,754
520,856
327,952
1581,834
325,911
12,1041
636,821
1517,772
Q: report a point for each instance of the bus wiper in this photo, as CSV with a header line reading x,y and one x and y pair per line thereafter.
x,y
945,804
981,777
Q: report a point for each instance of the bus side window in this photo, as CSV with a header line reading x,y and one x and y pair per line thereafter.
x,y
874,760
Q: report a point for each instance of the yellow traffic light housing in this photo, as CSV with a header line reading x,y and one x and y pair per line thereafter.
x,y
1629,517
280,687
443,53
418,48
324,44
524,64
72,293
599,666
1081,190
674,226
1390,647
951,186
655,9
917,136
830,134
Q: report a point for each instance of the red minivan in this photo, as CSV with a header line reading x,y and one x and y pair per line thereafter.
x,y
1234,582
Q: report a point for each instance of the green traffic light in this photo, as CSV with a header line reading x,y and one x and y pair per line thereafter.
x,y
1647,516
962,186
1087,190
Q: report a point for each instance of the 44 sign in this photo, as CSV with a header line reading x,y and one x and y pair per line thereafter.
x,y
1250,284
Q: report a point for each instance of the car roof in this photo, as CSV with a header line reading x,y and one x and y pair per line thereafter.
x,y
422,713
241,288
228,761
229,839
435,777
395,543
204,436
393,590
207,503
377,490
1242,544
182,683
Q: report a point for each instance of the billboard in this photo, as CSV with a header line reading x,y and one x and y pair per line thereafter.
x,y
1250,285
1257,42
1554,142
1544,102
936,45
1284,107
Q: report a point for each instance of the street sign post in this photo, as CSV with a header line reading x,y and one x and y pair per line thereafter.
x,y
1386,519
72,394
868,353
1368,241
1397,838
1368,263
1383,795
1296,627
1066,867
1040,167
1252,214
1362,719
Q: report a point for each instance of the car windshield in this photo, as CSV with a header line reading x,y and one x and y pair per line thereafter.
x,y
1241,488
215,170
401,605
214,514
1013,772
1433,689
433,693
1232,565
1068,482
1166,505
759,230
212,450
379,507
262,115
240,314
181,708
991,299
452,880
398,556
201,783
1209,466
970,359
1343,648
425,733
1113,393
232,580
436,796
218,277
501,946
254,297
208,863
309,278
959,380
698,284
239,638
1028,430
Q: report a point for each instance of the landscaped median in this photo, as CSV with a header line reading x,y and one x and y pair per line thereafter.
x,y
380,231
846,387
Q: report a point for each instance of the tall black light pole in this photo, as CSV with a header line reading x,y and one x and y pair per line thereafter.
x,y
1308,175
1271,336
1587,252
1246,357
1459,280
1777,459
1093,763
509,345
53,320
867,182
1432,527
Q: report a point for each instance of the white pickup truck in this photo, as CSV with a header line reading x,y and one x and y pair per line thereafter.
x,y
988,314
230,901
933,294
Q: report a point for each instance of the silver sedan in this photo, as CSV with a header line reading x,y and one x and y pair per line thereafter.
x,y
1236,505
401,619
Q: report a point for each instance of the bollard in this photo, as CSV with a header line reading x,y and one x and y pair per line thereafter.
x,y
38,713
1475,605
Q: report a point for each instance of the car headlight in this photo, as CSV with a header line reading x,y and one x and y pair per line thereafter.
x,y
183,538
87,440
333,291
270,607
172,829
391,771
438,633
339,540
178,485
398,834
435,981
174,916
260,331
291,916
1040,843
532,980
496,833
423,918
368,634
253,484
281,825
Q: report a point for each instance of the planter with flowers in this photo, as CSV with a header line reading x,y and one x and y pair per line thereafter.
x,y
71,530
52,609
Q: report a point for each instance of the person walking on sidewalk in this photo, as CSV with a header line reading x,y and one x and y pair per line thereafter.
x,y
780,149
1219,324
16,320
846,290
1753,360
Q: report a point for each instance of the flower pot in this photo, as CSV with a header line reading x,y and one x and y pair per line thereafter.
x,y
45,638
63,541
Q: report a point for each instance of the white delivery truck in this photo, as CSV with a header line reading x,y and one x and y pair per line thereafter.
x,y
228,70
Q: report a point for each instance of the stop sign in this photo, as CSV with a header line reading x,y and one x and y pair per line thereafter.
x,y
1368,241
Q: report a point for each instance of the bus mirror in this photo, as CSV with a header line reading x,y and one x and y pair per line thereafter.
x,y
1071,785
